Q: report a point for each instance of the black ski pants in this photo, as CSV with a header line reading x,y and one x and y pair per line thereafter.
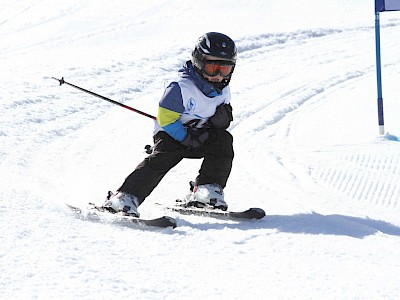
x,y
217,153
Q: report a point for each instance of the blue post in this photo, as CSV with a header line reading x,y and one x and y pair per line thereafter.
x,y
378,74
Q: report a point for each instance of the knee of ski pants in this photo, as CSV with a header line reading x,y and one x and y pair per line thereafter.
x,y
222,140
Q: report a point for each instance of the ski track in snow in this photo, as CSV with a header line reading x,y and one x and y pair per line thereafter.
x,y
330,190
363,176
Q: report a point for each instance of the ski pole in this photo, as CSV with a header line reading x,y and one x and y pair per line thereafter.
x,y
62,81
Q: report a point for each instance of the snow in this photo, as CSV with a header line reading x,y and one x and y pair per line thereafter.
x,y
306,138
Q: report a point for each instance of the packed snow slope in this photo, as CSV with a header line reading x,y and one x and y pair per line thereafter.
x,y
306,140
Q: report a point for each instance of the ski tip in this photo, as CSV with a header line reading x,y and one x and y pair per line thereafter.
x,y
258,213
162,222
169,222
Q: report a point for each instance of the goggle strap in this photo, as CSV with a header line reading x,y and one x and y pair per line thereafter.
x,y
219,62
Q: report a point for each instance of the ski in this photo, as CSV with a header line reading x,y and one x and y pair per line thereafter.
x,y
92,209
187,206
249,214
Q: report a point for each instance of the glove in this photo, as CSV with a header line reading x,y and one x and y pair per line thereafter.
x,y
195,139
222,117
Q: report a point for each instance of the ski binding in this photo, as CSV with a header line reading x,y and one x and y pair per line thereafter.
x,y
249,214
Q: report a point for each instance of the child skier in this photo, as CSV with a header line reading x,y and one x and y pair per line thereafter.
x,y
192,119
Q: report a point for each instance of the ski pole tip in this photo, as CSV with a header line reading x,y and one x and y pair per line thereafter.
x,y
61,81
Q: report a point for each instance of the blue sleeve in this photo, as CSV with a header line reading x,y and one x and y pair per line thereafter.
x,y
176,130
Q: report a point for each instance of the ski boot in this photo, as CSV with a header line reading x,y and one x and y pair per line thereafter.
x,y
206,195
122,202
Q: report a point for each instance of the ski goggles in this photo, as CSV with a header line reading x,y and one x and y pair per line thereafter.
x,y
217,67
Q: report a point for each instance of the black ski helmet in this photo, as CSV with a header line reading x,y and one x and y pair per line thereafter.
x,y
217,45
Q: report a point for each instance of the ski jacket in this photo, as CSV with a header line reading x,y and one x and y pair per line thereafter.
x,y
188,102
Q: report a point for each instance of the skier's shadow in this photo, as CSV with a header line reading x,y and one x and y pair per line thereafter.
x,y
309,223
